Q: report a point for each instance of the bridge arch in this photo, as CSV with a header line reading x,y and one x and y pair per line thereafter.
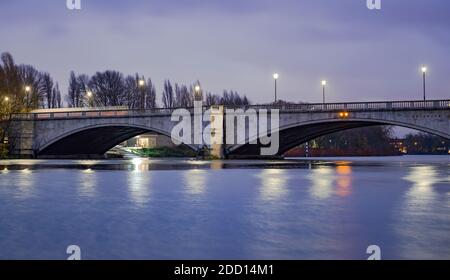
x,y
294,135
95,139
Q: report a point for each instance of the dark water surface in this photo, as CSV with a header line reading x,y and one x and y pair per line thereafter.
x,y
186,209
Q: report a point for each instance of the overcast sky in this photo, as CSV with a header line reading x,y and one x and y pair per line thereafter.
x,y
238,44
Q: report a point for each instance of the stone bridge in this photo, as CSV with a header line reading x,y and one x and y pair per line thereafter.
x,y
66,133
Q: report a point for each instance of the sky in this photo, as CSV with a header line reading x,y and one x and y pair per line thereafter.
x,y
365,55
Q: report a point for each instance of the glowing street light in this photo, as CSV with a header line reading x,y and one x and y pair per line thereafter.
x,y
276,76
90,96
6,98
27,91
324,84
197,92
424,73
141,84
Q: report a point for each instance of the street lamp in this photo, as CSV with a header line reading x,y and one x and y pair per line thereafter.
x,y
6,98
141,84
27,91
89,95
276,76
424,73
324,84
197,92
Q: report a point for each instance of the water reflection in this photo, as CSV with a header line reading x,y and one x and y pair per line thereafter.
x,y
139,186
422,178
322,179
195,180
273,184
24,183
216,164
325,179
344,180
140,164
419,218
88,181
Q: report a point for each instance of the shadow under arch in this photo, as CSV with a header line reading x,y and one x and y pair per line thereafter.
x,y
94,140
294,135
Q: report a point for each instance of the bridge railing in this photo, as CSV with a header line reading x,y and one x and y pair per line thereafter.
x,y
305,107
92,113
358,106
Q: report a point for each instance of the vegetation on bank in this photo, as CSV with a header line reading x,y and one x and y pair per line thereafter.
x,y
426,144
372,141
164,152
366,141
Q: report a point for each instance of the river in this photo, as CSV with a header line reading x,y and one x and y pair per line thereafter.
x,y
328,208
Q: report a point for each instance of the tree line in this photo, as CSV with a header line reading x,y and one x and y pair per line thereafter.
x,y
424,143
365,141
23,88
26,88
112,88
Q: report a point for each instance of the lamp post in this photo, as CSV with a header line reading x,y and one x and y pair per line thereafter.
x,y
141,84
424,73
324,84
89,95
276,76
27,92
197,92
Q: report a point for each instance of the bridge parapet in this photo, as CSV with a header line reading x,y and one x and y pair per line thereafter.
x,y
359,106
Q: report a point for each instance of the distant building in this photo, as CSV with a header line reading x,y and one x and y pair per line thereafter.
x,y
149,141
399,145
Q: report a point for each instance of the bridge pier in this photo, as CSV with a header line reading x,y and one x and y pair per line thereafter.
x,y
21,144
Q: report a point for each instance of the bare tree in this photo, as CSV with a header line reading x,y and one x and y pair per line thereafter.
x,y
32,80
56,97
22,89
150,95
212,99
108,88
47,85
184,97
75,96
168,99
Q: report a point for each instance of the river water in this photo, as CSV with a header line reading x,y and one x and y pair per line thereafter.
x,y
187,209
